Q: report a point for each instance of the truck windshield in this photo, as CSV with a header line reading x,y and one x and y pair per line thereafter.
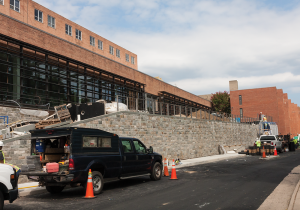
x,y
267,138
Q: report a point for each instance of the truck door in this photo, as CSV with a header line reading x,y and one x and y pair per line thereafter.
x,y
144,159
129,161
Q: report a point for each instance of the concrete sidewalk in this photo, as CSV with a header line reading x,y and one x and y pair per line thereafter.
x,y
31,188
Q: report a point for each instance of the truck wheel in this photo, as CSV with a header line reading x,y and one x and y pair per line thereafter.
x,y
156,172
1,200
97,182
54,189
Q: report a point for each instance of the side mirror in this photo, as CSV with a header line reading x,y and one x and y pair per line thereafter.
x,y
150,150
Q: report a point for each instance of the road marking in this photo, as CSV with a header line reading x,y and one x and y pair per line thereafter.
x,y
27,187
204,205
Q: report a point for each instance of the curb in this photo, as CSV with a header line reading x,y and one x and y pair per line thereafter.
x,y
293,199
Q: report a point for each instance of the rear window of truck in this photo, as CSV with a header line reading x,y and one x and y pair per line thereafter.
x,y
267,138
96,142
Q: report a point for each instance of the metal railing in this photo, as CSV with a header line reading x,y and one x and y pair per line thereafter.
x,y
153,106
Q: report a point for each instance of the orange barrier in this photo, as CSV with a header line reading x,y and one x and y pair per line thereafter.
x,y
89,186
173,174
264,153
166,170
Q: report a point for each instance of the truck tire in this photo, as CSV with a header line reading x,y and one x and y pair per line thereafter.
x,y
97,182
156,172
1,201
54,189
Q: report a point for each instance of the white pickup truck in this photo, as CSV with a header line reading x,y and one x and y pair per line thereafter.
x,y
272,140
8,184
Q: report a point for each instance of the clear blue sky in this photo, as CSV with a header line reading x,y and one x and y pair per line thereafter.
x,y
199,45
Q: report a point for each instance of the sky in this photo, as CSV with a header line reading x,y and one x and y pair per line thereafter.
x,y
200,45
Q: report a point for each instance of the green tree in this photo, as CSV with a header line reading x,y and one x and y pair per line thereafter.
x,y
221,102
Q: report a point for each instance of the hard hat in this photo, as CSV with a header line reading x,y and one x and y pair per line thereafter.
x,y
1,144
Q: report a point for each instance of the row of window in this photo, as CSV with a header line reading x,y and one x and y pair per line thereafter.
x,y
14,4
38,15
78,33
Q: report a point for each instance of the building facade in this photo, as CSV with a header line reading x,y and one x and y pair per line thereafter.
x,y
46,58
271,102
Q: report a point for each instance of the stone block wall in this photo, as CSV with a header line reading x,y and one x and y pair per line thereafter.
x,y
175,137
15,115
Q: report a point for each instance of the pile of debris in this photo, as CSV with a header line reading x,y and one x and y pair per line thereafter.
x,y
62,114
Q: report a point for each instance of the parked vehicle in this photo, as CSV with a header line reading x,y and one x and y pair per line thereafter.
x,y
273,140
8,184
77,150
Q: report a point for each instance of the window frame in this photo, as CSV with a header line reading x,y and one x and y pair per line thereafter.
x,y
38,17
111,50
52,19
127,57
241,113
69,29
97,140
100,44
2,2
118,53
77,36
92,41
240,100
132,60
14,6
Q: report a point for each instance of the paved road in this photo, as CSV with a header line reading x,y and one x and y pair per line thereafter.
x,y
235,184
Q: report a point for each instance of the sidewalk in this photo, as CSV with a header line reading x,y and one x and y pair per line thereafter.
x,y
31,188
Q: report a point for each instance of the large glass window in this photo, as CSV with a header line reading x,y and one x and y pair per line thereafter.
x,y
132,60
14,4
38,15
127,57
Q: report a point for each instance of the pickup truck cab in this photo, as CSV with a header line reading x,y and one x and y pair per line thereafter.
x,y
8,184
77,150
272,140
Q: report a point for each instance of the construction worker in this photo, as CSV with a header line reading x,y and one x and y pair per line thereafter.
x,y
296,141
258,143
2,158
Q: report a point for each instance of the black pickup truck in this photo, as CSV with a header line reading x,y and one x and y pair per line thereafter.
x,y
77,150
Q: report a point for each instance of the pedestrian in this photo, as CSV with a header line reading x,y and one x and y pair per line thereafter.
x,y
2,158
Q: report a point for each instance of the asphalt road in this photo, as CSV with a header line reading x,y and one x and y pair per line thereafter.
x,y
234,184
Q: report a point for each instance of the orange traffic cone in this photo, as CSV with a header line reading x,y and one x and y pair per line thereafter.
x,y
166,170
173,174
89,186
264,153
275,151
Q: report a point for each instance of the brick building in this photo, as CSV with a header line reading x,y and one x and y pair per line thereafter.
x,y
270,101
46,58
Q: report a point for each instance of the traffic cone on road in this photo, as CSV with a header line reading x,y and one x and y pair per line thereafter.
x,y
166,170
173,173
89,186
275,151
264,153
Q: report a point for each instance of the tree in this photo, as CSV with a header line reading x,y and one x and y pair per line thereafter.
x,y
221,102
